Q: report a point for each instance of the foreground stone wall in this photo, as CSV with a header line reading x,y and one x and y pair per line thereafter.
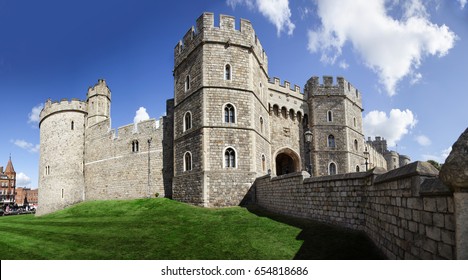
x,y
407,212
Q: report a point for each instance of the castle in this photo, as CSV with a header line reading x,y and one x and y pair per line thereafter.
x,y
228,124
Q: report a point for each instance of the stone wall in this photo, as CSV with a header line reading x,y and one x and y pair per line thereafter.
x,y
407,212
113,170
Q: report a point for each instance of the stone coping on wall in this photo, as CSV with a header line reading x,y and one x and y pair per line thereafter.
x,y
303,174
416,168
434,187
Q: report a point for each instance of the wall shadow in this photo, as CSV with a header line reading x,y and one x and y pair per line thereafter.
x,y
325,241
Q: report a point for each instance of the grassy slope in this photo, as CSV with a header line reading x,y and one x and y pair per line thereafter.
x,y
146,229
164,229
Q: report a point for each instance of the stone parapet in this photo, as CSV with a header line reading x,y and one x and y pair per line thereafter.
x,y
65,105
407,212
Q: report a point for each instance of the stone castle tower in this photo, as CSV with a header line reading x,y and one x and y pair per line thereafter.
x,y
218,142
336,124
228,124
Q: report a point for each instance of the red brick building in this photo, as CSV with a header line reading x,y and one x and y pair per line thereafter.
x,y
26,197
7,184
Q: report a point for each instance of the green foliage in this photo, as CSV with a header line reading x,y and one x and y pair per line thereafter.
x,y
147,229
435,164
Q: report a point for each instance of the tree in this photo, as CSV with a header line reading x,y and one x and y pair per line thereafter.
x,y
435,164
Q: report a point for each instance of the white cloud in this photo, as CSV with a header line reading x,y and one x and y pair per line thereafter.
x,y
392,127
26,145
462,3
276,11
393,48
22,180
344,65
33,116
141,115
423,140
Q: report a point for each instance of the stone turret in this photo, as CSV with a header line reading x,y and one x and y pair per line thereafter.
x,y
99,100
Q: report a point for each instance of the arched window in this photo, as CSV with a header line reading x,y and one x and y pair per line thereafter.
x,y
329,116
331,141
187,83
354,121
263,163
187,161
332,169
227,72
291,114
299,117
276,110
187,121
357,168
261,125
229,114
356,146
284,112
229,158
305,121
72,125
135,146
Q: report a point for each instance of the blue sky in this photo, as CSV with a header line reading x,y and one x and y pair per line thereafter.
x,y
409,59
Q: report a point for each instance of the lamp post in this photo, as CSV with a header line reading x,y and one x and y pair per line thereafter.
x,y
308,140
366,156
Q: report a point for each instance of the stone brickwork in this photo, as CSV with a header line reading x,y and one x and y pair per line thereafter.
x,y
408,212
62,138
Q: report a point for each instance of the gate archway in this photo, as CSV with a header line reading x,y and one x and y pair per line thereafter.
x,y
287,161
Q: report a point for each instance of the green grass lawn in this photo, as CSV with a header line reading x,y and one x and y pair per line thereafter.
x,y
164,229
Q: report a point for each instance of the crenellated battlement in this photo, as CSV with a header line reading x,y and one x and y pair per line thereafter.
x,y
65,105
226,33
100,88
275,83
329,87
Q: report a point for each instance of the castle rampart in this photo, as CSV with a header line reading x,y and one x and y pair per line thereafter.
x,y
407,212
225,34
65,105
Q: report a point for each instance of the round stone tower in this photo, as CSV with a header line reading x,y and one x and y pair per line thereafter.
x,y
62,138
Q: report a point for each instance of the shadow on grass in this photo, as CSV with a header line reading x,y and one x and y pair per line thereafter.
x,y
324,241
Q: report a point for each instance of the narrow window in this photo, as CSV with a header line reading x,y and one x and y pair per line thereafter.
x,y
61,191
72,125
230,158
187,161
135,146
229,114
354,120
357,168
227,72
331,141
261,125
332,169
263,163
329,116
187,121
356,146
187,83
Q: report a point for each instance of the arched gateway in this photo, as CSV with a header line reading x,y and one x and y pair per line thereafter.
x,y
287,161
